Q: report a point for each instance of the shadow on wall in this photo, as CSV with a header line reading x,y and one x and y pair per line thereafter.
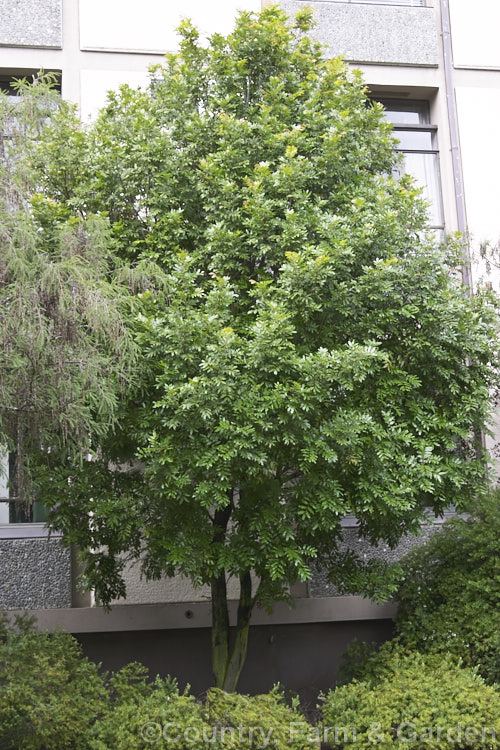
x,y
304,658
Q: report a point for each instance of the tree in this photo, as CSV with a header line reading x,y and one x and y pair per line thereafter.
x,y
305,351
65,353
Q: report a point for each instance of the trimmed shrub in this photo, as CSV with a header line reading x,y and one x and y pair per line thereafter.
x,y
163,717
449,599
410,700
355,659
244,722
49,694
53,698
145,715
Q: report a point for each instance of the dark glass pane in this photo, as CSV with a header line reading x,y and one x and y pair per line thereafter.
x,y
39,512
414,140
406,113
20,513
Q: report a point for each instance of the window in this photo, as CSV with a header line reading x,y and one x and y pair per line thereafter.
x,y
9,76
418,144
11,510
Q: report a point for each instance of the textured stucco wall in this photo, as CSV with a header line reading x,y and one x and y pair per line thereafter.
x,y
180,589
387,34
34,573
31,23
319,586
176,589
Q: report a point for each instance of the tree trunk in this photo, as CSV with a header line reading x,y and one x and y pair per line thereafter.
x,y
228,659
220,614
220,629
239,650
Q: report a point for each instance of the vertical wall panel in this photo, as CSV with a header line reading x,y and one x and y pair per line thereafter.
x,y
149,26
35,573
478,118
475,27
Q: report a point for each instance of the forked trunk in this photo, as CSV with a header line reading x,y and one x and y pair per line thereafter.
x,y
228,658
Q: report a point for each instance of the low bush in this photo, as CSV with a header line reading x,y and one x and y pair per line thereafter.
x,y
410,700
355,660
49,694
53,698
243,722
449,599
160,715
144,715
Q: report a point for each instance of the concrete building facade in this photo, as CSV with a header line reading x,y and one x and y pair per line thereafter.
x,y
435,64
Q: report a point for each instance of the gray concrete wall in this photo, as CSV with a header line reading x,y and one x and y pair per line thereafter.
x,y
305,658
31,23
319,585
35,574
383,34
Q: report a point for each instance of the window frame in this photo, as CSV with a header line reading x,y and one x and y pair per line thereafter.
x,y
420,107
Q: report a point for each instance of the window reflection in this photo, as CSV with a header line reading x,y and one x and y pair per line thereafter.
x,y
417,142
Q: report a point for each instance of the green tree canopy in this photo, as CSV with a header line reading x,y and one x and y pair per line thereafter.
x,y
305,351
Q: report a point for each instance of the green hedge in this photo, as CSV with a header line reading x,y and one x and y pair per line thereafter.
x,y
258,721
410,700
164,718
144,715
49,694
449,600
53,698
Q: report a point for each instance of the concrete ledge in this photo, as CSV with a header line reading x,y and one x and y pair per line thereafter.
x,y
39,530
26,531
129,617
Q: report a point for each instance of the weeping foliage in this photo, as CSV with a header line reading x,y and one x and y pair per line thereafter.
x,y
65,353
